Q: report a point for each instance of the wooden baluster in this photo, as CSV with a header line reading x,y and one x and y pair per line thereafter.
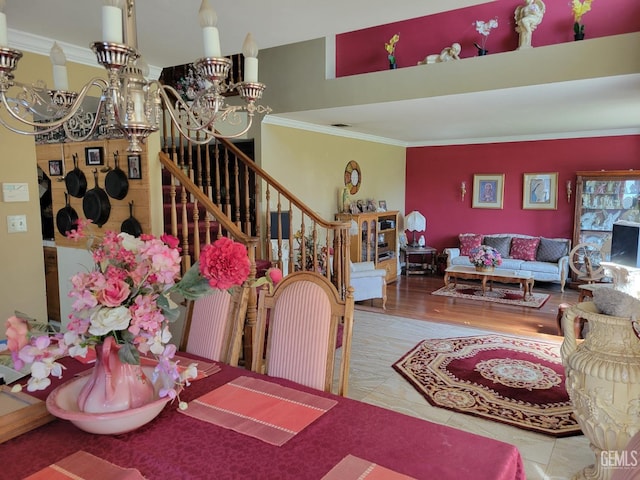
x,y
247,202
291,263
267,202
196,231
225,172
217,172
185,227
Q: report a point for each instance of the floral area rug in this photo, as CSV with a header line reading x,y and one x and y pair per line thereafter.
x,y
505,379
497,295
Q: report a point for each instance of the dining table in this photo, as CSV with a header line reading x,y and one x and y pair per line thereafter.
x,y
344,439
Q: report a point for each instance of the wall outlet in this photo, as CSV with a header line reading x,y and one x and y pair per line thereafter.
x,y
16,223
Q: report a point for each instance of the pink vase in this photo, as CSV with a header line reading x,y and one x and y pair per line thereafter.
x,y
114,386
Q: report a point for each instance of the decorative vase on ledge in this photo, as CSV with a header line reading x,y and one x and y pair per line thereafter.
x,y
481,51
578,36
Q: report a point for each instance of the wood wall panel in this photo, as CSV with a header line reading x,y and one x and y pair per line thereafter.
x,y
139,189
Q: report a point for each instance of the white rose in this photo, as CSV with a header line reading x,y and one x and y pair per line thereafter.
x,y
130,242
108,320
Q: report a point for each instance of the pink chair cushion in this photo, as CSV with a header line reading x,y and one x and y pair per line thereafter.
x,y
208,323
299,331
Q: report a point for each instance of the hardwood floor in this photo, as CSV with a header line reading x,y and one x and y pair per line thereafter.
x,y
411,297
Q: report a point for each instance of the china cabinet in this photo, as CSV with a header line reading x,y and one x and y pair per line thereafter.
x,y
374,238
602,198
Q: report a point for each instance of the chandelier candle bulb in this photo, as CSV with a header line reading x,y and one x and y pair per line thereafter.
x,y
250,52
4,41
208,20
112,21
58,59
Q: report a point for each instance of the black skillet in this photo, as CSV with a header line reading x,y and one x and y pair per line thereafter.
x,y
116,182
66,217
95,204
75,180
131,225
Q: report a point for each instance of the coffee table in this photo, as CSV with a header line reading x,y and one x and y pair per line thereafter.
x,y
500,275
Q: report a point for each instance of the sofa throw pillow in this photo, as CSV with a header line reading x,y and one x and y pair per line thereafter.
x,y
551,250
524,248
469,241
501,244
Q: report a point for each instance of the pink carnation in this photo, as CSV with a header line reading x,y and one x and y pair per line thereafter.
x,y
224,263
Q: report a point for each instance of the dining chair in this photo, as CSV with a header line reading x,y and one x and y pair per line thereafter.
x,y
299,321
214,325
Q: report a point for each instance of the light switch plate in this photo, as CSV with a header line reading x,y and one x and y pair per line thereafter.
x,y
15,192
16,223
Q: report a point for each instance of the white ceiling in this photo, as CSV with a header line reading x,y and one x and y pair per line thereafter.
x,y
583,108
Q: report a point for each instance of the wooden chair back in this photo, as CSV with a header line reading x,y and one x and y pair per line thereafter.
x,y
214,325
299,321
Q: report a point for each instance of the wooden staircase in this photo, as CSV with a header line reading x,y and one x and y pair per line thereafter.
x,y
216,190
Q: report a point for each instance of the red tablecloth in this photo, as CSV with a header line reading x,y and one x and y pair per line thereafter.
x,y
176,446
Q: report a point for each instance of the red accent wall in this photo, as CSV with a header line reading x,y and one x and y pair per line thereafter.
x,y
434,175
363,51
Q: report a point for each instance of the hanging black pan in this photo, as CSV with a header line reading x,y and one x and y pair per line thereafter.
x,y
131,225
75,180
116,182
66,217
95,204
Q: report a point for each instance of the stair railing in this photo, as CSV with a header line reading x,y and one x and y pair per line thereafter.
x,y
240,200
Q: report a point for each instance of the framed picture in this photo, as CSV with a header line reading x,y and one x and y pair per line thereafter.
x,y
94,156
133,162
540,191
371,205
55,168
382,204
488,191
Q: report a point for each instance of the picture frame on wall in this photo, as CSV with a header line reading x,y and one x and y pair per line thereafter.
x,y
135,171
488,190
55,168
94,156
540,191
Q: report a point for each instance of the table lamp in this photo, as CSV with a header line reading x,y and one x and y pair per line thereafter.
x,y
415,222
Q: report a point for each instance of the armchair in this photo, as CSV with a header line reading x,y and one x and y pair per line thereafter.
x,y
368,282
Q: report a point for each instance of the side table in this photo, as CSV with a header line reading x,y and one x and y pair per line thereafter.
x,y
418,266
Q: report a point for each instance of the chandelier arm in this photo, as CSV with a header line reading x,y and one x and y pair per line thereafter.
x,y
199,127
94,125
174,116
97,82
27,132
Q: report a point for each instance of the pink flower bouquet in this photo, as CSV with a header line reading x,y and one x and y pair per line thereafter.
x,y
127,296
485,256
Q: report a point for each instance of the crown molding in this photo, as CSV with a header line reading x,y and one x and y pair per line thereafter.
x,y
29,42
328,130
345,132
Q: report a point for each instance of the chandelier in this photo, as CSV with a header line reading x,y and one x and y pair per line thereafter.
x,y
129,104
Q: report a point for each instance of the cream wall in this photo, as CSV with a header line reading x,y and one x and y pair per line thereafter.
x,y
21,255
311,165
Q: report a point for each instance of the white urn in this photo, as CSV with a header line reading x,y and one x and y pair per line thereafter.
x,y
603,382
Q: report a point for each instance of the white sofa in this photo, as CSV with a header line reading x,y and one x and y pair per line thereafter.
x,y
550,265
